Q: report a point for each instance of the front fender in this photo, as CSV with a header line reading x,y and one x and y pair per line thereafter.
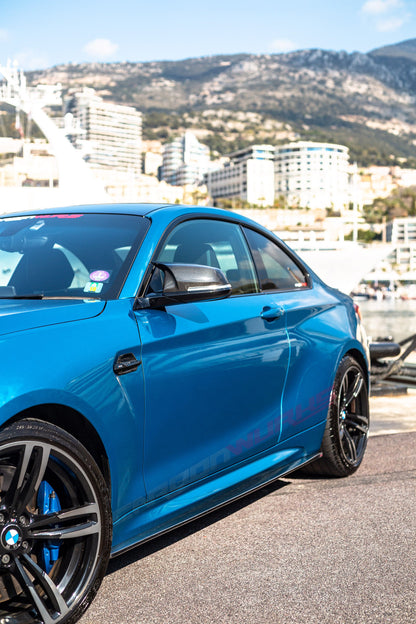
x,y
71,364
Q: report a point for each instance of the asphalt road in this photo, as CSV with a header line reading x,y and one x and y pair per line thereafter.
x,y
300,551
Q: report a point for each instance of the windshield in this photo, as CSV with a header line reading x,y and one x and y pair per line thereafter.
x,y
71,256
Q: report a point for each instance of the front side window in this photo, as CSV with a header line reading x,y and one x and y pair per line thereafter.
x,y
212,243
276,270
69,256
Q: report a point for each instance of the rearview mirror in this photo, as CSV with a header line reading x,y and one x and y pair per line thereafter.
x,y
180,283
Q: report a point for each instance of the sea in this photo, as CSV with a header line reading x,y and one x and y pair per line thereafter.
x,y
389,318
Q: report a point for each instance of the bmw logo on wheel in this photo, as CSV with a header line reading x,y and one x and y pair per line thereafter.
x,y
11,538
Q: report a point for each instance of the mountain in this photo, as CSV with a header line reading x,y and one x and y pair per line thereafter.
x,y
365,101
405,50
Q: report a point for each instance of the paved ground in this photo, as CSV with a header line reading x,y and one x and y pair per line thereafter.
x,y
393,414
301,551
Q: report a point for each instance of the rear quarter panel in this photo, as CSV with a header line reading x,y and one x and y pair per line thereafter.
x,y
322,328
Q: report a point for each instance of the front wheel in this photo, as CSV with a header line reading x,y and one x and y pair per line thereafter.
x,y
345,437
55,525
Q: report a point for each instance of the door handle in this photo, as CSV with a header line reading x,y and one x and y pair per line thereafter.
x,y
272,312
126,363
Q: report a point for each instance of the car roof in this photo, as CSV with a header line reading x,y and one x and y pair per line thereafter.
x,y
109,208
139,209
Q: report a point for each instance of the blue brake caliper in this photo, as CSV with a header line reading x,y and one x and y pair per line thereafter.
x,y
48,502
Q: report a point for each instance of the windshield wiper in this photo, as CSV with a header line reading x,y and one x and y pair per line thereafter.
x,y
22,296
47,297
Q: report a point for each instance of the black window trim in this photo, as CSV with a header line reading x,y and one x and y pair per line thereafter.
x,y
285,249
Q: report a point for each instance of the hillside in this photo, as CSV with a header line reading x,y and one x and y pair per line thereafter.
x,y
366,101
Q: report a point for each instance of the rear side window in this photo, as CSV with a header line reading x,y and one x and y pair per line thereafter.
x,y
213,243
276,270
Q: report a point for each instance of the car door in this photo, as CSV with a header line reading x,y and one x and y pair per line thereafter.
x,y
214,371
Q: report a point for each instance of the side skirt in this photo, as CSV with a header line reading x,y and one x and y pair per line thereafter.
x,y
182,506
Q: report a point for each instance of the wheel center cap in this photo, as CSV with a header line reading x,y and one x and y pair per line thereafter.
x,y
11,537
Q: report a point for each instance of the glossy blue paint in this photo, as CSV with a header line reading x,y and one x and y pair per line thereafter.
x,y
201,393
23,315
228,396
320,332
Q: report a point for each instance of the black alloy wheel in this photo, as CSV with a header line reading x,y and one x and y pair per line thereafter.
x,y
345,438
55,525
353,420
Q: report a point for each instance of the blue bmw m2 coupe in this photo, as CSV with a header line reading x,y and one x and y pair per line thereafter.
x,y
157,362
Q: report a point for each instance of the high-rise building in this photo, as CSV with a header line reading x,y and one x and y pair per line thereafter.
x,y
109,135
185,160
248,175
312,175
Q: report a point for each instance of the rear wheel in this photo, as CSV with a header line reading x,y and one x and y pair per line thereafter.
x,y
55,525
345,438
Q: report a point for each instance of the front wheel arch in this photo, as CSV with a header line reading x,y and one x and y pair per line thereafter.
x,y
55,524
74,423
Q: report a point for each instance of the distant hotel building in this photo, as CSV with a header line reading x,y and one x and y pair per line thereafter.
x,y
110,135
249,175
185,161
312,175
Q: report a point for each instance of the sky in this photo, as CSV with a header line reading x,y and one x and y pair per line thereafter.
x,y
42,33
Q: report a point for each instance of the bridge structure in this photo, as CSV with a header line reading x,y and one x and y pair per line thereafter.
x,y
76,180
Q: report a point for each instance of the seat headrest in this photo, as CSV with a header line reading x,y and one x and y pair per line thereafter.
x,y
42,270
193,252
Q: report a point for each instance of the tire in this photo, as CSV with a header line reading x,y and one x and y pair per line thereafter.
x,y
55,525
346,432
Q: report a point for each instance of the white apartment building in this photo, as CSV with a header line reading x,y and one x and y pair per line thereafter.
x,y
312,175
185,160
402,233
249,176
110,135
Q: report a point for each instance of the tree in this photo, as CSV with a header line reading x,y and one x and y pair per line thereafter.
x,y
401,203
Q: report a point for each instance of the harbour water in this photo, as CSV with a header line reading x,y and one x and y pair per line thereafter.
x,y
389,317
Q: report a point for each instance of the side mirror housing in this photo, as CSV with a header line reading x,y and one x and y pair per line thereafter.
x,y
172,284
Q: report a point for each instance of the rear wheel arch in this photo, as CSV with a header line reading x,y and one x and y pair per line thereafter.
x,y
74,423
358,356
345,437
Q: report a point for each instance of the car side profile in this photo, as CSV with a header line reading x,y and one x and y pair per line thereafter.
x,y
158,362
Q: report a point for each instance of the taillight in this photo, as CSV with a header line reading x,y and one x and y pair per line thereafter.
x,y
358,311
